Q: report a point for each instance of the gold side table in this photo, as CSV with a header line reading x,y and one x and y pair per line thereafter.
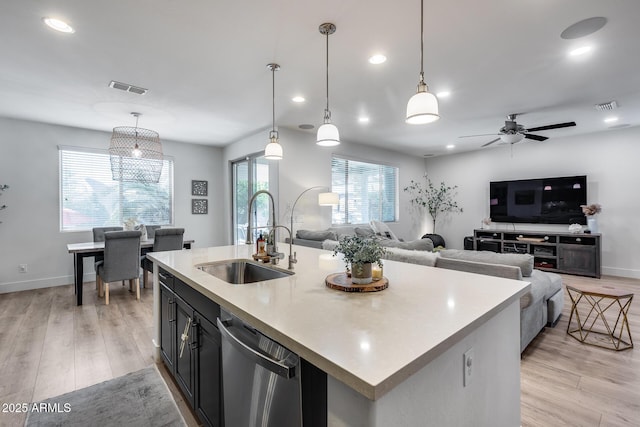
x,y
601,319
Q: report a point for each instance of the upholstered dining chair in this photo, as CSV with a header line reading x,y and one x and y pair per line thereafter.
x,y
121,261
165,239
151,231
98,236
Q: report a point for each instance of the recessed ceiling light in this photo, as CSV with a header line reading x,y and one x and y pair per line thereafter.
x,y
450,147
377,59
611,119
58,25
363,119
583,28
443,94
580,51
298,99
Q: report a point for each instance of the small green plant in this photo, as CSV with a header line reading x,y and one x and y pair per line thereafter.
x,y
436,200
358,250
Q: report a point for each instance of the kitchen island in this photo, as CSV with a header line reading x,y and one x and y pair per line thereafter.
x,y
393,357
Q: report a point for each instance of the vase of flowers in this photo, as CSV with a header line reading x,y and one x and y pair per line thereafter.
x,y
359,254
590,212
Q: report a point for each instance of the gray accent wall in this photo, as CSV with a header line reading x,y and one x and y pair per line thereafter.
x,y
30,231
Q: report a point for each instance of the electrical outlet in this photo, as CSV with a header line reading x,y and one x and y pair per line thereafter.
x,y
467,365
22,268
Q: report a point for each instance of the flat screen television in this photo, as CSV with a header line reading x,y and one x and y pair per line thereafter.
x,y
539,201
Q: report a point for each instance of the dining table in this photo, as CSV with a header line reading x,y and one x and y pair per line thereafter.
x,y
80,251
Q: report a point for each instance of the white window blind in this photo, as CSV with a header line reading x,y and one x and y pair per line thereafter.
x,y
368,191
89,197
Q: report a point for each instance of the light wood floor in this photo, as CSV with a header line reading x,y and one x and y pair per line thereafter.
x,y
48,347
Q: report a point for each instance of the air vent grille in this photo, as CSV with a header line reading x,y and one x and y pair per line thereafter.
x,y
127,87
607,106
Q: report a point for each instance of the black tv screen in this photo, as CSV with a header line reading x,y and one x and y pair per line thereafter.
x,y
539,201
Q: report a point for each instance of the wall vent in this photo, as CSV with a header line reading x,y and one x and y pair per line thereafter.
x,y
607,106
127,87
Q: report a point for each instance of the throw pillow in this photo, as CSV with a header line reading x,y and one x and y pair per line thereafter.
x,y
381,229
524,261
364,232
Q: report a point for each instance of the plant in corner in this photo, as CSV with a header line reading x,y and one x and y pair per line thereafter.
x,y
436,200
360,253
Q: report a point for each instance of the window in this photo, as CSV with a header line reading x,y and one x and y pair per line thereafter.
x,y
90,198
368,191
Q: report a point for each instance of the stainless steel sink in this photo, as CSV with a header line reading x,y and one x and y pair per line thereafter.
x,y
241,271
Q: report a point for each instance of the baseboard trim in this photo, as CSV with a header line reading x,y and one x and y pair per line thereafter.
x,y
621,272
48,282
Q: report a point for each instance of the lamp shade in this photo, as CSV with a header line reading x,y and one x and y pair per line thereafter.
x,y
512,138
328,135
422,108
273,150
328,199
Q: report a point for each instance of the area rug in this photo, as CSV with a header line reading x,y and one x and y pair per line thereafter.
x,y
140,398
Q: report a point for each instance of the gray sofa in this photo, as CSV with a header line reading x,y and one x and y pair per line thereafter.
x,y
541,306
314,239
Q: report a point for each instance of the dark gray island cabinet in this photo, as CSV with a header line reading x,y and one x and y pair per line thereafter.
x,y
190,347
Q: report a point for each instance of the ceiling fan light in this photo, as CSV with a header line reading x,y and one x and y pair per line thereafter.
x,y
422,108
512,138
328,135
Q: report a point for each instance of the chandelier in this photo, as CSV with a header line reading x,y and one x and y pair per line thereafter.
x,y
136,154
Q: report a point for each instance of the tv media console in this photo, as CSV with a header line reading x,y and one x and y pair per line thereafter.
x,y
569,253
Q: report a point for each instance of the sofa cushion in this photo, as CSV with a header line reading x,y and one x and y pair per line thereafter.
x,y
343,231
524,261
315,235
412,257
496,270
365,232
414,245
383,230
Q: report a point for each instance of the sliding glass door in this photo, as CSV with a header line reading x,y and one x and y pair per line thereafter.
x,y
251,174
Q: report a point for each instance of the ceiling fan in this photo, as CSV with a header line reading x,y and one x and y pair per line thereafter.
x,y
513,132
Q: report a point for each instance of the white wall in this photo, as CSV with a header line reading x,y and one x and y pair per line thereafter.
x,y
30,232
307,165
609,159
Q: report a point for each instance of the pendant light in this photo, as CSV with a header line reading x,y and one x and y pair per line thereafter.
x,y
423,106
273,150
328,135
135,154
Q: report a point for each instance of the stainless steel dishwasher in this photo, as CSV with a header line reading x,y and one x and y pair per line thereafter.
x,y
261,378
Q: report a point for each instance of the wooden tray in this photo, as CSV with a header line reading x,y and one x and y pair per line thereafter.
x,y
341,282
261,258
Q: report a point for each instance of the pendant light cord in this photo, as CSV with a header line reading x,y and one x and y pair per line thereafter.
x,y
327,70
421,41
273,97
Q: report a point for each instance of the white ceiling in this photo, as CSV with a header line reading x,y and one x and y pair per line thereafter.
x,y
204,63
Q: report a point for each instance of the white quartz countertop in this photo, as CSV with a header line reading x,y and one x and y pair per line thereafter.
x,y
370,341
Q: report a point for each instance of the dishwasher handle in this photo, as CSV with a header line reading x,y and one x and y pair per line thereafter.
x,y
272,365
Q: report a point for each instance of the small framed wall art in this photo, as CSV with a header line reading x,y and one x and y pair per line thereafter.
x,y
199,188
199,206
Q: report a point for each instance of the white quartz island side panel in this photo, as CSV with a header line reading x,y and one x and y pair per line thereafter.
x,y
403,344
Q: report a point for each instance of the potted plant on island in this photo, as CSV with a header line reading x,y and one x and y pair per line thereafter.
x,y
359,254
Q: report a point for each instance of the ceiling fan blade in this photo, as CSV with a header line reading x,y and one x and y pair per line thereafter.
x,y
483,134
556,126
536,137
491,142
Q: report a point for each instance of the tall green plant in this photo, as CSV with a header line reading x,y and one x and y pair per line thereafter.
x,y
436,200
